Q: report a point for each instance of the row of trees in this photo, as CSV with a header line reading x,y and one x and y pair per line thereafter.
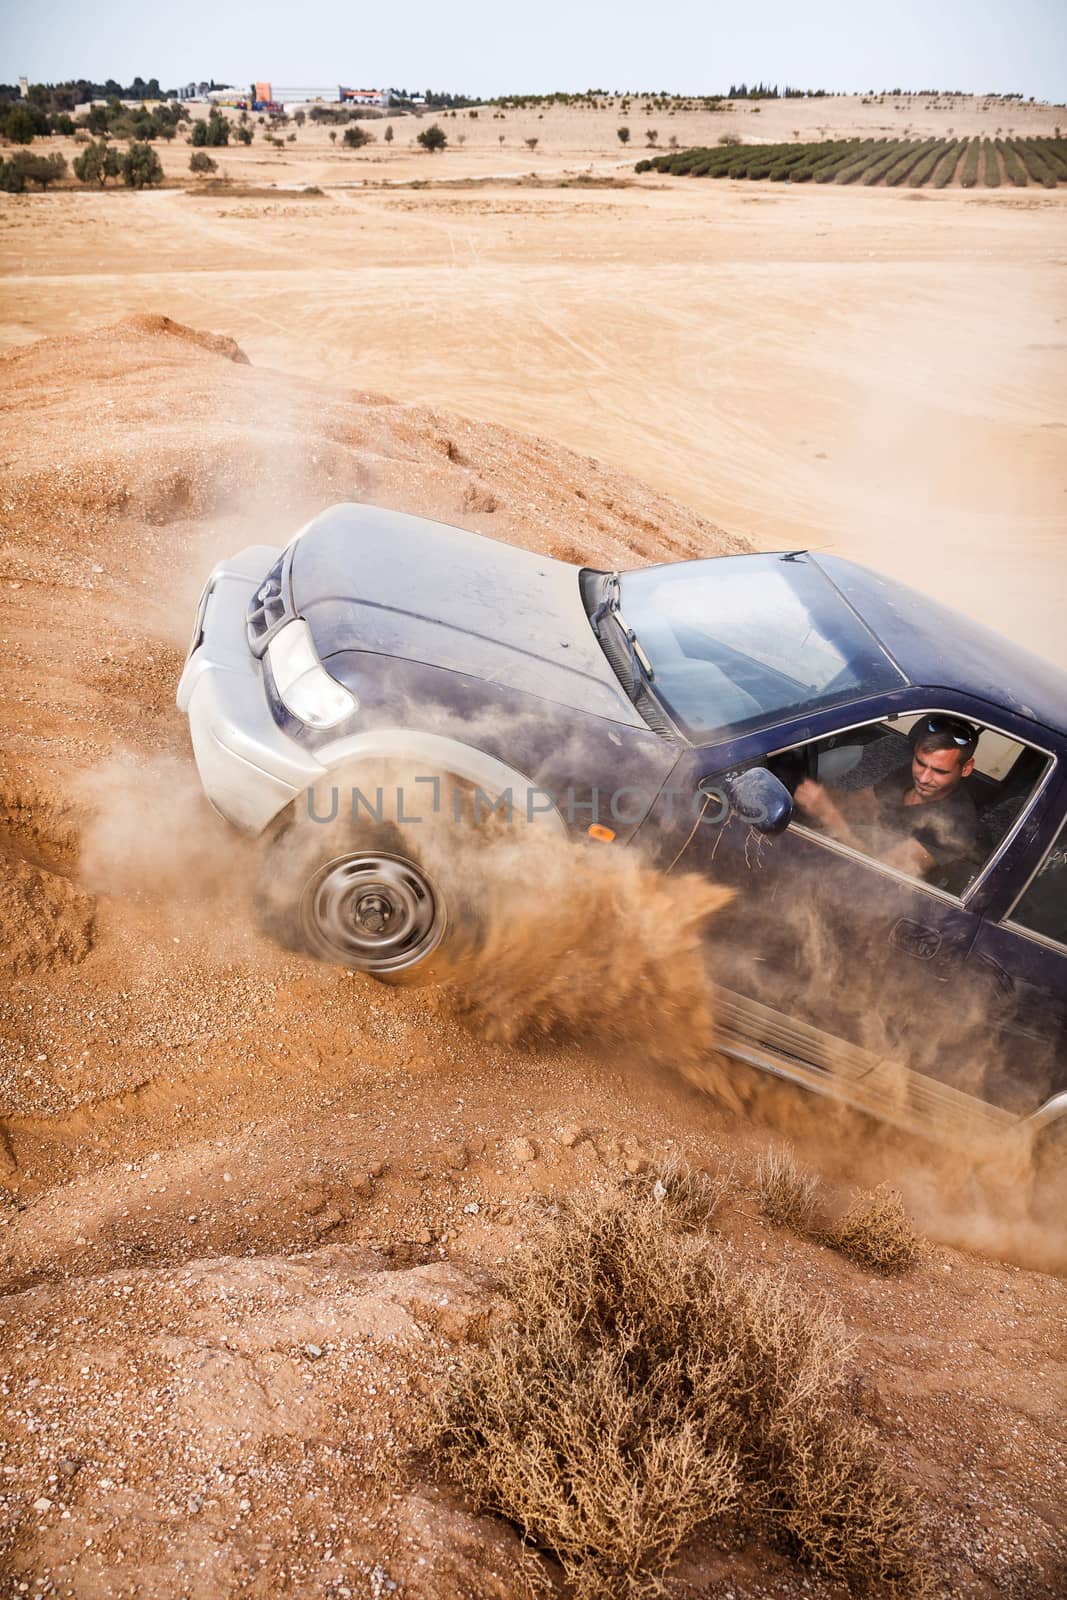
x,y
24,168
933,162
21,124
138,166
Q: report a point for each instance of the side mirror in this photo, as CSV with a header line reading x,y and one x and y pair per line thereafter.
x,y
756,796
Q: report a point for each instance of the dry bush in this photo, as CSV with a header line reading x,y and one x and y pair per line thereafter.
x,y
877,1232
643,1388
786,1195
689,1196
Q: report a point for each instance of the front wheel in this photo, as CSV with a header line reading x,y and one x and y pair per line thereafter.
x,y
376,911
402,904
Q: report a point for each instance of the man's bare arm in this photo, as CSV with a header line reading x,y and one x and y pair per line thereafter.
x,y
837,813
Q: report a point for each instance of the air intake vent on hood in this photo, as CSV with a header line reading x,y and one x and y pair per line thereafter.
x,y
267,609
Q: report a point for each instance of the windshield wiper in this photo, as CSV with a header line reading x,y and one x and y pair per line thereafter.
x,y
637,659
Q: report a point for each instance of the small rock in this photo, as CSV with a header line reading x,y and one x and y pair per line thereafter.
x,y
456,1156
379,1169
194,1502
424,1236
97,567
313,1352
363,1187
67,1466
636,1164
471,1209
569,1137
42,1504
523,1150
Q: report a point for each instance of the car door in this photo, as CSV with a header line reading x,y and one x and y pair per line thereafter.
x,y
824,933
1018,963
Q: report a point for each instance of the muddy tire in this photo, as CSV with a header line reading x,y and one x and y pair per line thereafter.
x,y
402,904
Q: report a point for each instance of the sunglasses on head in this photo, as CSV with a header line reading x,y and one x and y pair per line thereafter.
x,y
961,733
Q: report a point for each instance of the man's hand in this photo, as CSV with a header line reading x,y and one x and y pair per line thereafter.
x,y
813,798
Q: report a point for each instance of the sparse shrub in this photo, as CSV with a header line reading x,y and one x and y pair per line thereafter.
x,y
433,138
531,144
688,1196
876,1232
388,134
729,138
97,163
643,1387
333,135
244,134
141,167
623,135
786,1195
300,117
356,137
200,161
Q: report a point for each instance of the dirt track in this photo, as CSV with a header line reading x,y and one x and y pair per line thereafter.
x,y
252,1203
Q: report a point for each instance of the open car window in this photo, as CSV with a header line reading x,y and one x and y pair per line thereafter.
x,y
859,788
1042,907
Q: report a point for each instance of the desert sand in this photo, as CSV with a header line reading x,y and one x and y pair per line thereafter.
x,y
253,1206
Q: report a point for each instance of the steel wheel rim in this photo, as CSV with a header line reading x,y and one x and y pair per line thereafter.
x,y
374,912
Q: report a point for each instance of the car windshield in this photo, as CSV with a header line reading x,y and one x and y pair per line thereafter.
x,y
744,641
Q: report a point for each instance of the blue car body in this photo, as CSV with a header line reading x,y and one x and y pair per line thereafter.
x,y
511,667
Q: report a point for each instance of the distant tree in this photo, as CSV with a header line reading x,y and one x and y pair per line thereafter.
x,y
244,135
97,163
18,126
333,135
64,123
24,167
531,144
356,137
96,119
141,166
433,138
388,134
215,131
500,138
651,135
200,161
624,135
300,117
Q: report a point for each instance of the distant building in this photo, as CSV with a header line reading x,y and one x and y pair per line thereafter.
x,y
364,97
194,91
24,87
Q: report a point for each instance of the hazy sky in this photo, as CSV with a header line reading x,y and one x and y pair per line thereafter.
x,y
484,47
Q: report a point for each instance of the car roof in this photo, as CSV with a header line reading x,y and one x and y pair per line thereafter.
x,y
936,646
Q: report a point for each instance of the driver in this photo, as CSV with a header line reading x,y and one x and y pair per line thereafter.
x,y
922,818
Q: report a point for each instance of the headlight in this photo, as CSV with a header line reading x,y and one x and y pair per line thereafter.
x,y
305,687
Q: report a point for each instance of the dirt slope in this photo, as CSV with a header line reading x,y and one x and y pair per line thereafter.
x,y
253,1205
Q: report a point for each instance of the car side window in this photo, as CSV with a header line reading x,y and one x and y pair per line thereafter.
x,y
929,794
1043,907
